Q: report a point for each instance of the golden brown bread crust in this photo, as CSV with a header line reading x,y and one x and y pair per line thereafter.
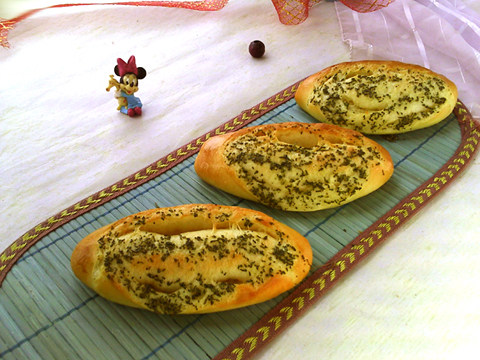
x,y
295,166
192,259
377,97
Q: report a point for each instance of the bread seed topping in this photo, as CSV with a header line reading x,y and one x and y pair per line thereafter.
x,y
295,177
380,100
139,261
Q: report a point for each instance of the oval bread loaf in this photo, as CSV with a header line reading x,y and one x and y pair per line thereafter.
x,y
295,166
377,97
192,259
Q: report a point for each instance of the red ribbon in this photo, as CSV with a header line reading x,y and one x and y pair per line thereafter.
x,y
290,12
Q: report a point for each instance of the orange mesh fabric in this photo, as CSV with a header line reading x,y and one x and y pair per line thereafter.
x,y
5,27
290,12
364,6
293,12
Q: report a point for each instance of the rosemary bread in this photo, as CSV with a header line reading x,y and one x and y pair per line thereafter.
x,y
377,97
295,166
192,259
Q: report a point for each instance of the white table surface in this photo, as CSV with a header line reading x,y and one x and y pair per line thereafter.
x,y
61,140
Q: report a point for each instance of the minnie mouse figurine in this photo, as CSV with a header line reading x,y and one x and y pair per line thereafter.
x,y
129,75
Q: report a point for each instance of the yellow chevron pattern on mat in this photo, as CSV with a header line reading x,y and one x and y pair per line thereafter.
x,y
473,140
350,256
80,207
449,173
360,248
53,220
170,158
28,237
288,310
239,353
200,141
190,147
469,147
160,164
394,218
454,166
128,182
330,273
320,282
265,330
427,192
378,233
237,122
419,199
299,301
310,292
341,265
5,258
252,341
387,226
440,179
228,127
411,205
276,321
368,240
402,211
115,188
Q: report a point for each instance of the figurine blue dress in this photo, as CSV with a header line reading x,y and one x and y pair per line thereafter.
x,y
133,105
128,85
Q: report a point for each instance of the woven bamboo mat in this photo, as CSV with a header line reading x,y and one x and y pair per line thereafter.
x,y
46,313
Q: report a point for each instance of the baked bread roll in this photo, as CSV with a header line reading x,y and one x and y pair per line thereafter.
x,y
295,166
377,97
192,259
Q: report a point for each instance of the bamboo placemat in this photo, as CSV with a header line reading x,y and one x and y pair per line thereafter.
x,y
46,313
